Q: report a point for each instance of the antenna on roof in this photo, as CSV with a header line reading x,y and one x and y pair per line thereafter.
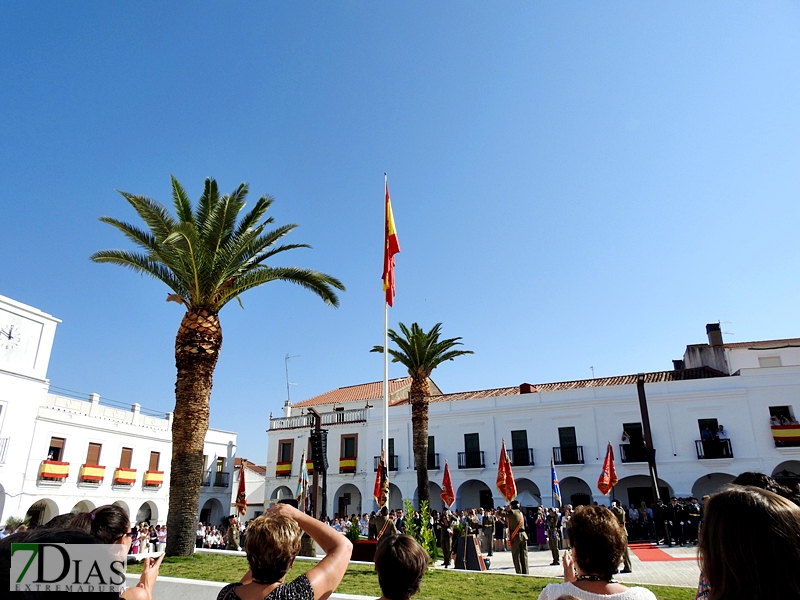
x,y
592,368
726,323
288,383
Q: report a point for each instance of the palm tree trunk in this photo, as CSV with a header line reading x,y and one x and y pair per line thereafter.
x,y
418,397
197,347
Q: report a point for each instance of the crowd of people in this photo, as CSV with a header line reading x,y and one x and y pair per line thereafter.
x,y
747,536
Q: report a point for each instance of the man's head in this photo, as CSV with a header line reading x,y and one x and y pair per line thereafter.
x,y
401,563
514,504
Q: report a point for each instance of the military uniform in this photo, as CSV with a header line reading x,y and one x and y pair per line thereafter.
x,y
619,512
444,540
518,539
693,511
488,532
384,526
551,525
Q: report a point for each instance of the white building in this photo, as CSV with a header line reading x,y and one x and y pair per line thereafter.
x,y
60,454
738,385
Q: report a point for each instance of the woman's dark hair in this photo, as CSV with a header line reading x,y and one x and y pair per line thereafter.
x,y
107,524
750,545
597,540
400,562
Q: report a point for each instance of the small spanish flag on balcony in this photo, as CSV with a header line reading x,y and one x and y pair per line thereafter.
x,y
92,473
153,478
347,465
283,469
124,476
786,433
310,467
54,470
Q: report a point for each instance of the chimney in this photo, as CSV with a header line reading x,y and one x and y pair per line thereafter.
x,y
287,409
714,334
678,365
526,388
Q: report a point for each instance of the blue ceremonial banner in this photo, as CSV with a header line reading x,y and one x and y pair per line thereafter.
x,y
556,486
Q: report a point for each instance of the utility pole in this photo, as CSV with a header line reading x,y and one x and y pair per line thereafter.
x,y
648,436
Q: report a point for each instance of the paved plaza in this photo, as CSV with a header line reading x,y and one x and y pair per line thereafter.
x,y
682,573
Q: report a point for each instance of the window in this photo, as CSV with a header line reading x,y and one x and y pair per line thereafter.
x,y
349,446
473,457
93,454
632,448
769,361
566,437
220,464
285,448
153,466
519,448
56,449
782,413
125,458
431,448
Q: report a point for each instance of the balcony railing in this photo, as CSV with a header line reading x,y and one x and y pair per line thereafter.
x,y
3,449
471,460
632,453
520,457
92,473
54,470
711,449
357,415
222,479
568,455
392,462
123,476
283,469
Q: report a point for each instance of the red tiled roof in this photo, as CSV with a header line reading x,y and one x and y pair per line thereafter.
x,y
237,464
398,390
657,376
766,344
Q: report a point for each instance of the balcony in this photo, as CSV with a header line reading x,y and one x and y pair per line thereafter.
x,y
471,460
54,470
222,479
568,455
713,449
632,453
283,469
92,474
785,436
358,415
433,462
206,480
392,462
153,479
123,476
347,465
3,449
520,457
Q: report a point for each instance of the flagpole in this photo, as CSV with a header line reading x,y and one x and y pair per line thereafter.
x,y
385,442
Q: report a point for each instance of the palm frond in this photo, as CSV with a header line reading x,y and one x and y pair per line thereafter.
x,y
183,207
420,351
141,264
155,216
319,283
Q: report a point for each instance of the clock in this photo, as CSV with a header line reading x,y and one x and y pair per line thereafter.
x,y
19,341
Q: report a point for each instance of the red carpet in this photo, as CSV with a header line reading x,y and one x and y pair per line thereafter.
x,y
649,553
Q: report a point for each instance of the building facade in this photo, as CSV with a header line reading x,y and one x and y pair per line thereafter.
x,y
62,454
750,389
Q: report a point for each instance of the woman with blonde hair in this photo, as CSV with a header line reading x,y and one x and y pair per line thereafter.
x,y
272,543
750,545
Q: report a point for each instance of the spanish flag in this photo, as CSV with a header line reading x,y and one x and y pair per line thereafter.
x,y
505,478
390,248
381,490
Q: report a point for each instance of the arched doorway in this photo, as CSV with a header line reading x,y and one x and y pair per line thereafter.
x,y
436,503
575,491
281,493
474,493
147,513
212,512
710,484
787,473
395,497
82,506
528,494
635,489
41,512
347,500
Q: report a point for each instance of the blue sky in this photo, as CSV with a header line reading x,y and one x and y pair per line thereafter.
x,y
575,185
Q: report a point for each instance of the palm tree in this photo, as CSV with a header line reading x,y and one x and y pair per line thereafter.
x,y
421,353
207,259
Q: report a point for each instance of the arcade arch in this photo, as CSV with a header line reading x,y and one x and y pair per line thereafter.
x,y
347,500
709,484
474,493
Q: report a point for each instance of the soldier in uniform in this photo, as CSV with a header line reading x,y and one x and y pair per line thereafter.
x,y
693,511
619,512
384,525
517,537
445,539
488,530
552,526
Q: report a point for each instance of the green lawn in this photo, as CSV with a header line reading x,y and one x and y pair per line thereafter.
x,y
361,579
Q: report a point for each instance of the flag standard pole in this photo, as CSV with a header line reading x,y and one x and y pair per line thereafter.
x,y
385,442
